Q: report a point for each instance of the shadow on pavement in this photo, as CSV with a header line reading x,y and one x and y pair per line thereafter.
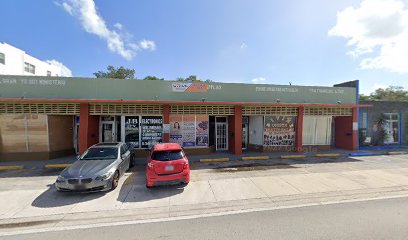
x,y
52,198
134,189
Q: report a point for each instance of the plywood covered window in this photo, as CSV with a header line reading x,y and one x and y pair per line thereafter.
x,y
317,130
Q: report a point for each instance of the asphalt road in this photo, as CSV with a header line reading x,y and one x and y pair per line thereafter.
x,y
377,219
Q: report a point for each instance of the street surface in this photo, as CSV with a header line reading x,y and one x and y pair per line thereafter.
x,y
380,219
30,203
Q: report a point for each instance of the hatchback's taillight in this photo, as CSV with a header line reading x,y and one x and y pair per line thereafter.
x,y
185,165
150,165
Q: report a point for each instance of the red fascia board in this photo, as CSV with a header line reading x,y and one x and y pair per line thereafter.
x,y
43,100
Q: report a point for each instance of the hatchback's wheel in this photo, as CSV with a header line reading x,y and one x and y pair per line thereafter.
x,y
115,180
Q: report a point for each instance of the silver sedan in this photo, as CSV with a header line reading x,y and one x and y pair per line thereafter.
x,y
98,169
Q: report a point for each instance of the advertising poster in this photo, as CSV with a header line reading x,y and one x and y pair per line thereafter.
x,y
151,131
202,130
176,134
132,130
279,131
189,130
189,87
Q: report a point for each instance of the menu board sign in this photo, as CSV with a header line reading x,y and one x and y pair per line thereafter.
x,y
279,131
152,129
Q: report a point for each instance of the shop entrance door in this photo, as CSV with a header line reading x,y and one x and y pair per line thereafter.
x,y
391,126
244,133
108,132
221,133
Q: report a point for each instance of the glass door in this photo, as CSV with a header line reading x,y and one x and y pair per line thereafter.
x,y
107,132
391,127
244,133
221,133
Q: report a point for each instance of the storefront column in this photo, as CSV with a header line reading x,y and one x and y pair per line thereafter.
x,y
88,128
237,126
355,129
299,130
166,120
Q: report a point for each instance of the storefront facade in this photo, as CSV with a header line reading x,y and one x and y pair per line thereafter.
x,y
76,113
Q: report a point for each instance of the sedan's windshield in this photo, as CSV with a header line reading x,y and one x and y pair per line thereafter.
x,y
102,153
167,155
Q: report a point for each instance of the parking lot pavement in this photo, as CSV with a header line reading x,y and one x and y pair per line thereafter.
x,y
219,188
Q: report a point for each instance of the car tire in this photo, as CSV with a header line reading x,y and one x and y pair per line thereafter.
x,y
115,180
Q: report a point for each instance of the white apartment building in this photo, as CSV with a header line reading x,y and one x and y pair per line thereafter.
x,y
14,61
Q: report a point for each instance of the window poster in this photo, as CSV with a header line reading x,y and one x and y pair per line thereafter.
x,y
202,130
152,129
279,131
132,130
189,130
176,122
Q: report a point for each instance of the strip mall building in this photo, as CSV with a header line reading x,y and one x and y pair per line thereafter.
x,y
47,117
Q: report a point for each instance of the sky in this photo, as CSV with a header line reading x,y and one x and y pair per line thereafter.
x,y
303,42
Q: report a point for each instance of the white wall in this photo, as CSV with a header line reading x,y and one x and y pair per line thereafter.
x,y
256,129
15,59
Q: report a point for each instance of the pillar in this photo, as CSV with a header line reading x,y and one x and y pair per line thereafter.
x,y
237,134
355,129
299,130
88,128
166,120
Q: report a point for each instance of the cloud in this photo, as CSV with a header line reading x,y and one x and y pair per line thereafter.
x,y
146,44
258,80
243,45
92,22
377,31
65,71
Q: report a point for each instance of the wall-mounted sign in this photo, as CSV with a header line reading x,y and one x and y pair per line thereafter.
x,y
189,87
152,128
166,128
189,130
279,131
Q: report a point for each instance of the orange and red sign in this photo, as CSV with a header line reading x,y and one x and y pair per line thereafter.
x,y
189,87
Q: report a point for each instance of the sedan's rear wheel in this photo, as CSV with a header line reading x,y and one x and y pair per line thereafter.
x,y
115,180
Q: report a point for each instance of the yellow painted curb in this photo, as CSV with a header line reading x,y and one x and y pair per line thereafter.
x,y
293,156
207,160
18,167
57,165
327,154
256,158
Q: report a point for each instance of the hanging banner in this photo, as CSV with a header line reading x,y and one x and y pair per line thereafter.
x,y
202,130
279,131
189,131
176,122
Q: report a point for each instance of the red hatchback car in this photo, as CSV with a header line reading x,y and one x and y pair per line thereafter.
x,y
167,164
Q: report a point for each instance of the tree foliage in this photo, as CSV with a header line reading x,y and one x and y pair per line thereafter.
x,y
391,93
193,78
112,72
152,78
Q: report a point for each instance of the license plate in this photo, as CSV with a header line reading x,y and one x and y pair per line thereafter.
x,y
79,187
169,168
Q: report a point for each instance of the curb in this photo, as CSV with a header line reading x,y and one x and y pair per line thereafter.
x,y
328,155
57,166
210,160
397,153
292,156
256,158
16,167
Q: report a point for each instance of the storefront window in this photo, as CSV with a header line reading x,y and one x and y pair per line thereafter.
x,y
279,131
152,129
132,131
189,130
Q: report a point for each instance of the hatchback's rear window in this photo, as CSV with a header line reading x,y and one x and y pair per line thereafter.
x,y
167,155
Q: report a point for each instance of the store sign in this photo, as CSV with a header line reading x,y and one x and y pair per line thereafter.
x,y
189,87
132,131
152,129
279,131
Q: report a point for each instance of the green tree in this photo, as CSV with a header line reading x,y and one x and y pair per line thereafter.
x,y
152,78
391,93
112,72
193,78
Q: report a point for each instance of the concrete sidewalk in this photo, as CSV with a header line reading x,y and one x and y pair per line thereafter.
x,y
32,202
